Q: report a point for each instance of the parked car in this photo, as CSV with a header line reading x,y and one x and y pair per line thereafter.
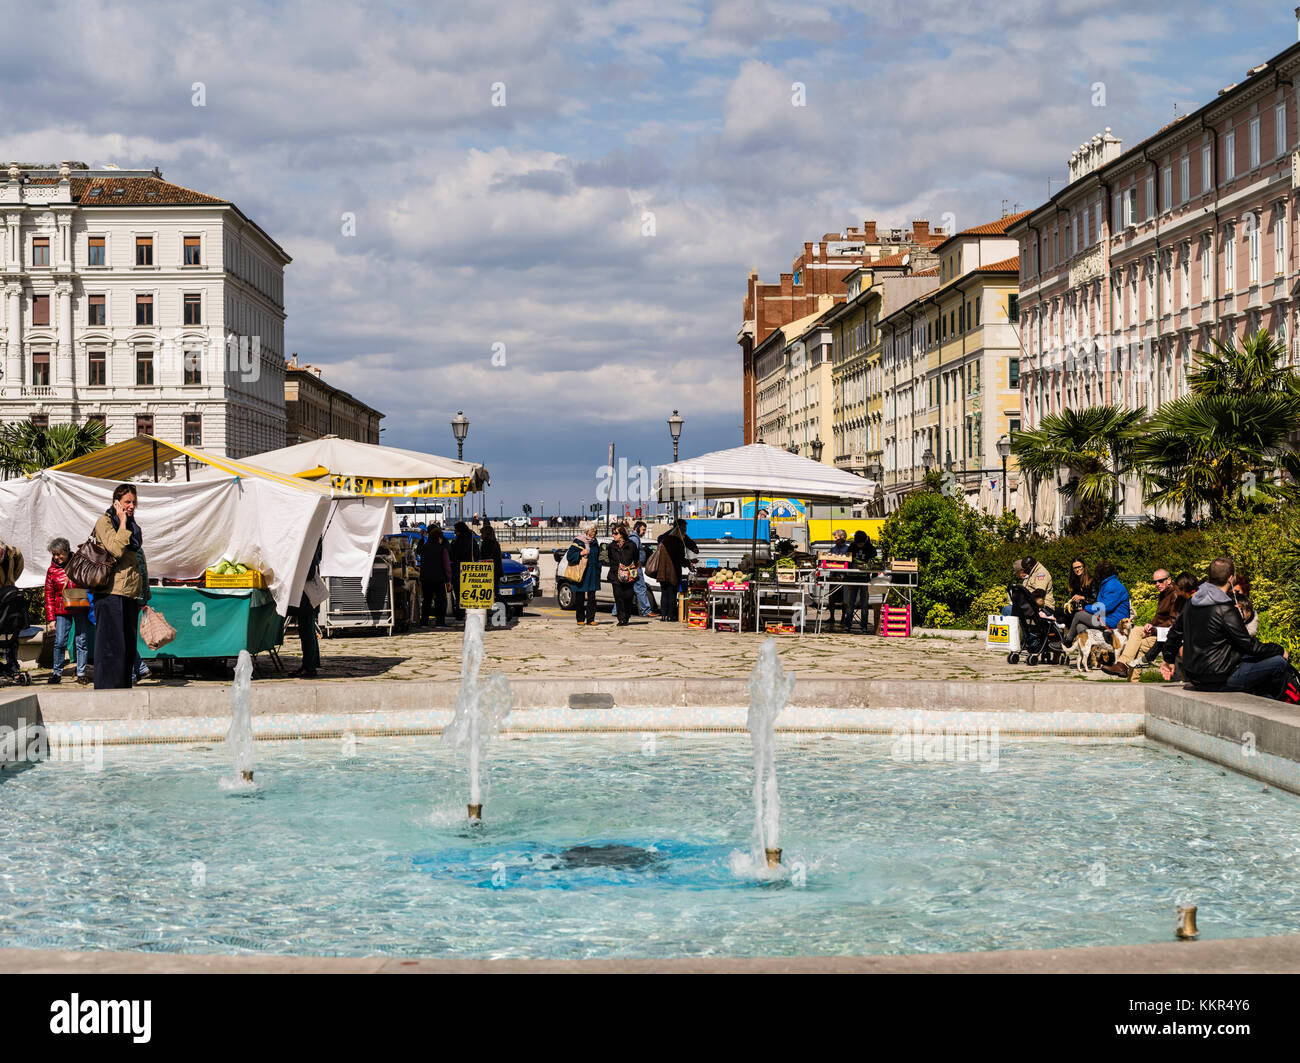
x,y
517,522
605,595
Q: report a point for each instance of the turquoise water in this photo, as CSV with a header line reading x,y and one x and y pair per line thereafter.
x,y
1065,843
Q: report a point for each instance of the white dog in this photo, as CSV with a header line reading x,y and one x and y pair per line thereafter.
x,y
1091,644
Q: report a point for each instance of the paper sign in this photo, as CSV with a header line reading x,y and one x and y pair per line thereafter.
x,y
477,584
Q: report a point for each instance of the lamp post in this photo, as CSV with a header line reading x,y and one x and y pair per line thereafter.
x,y
675,423
874,471
1004,451
927,459
817,446
460,429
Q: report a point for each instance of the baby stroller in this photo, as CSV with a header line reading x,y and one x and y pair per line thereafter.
x,y
13,619
1040,638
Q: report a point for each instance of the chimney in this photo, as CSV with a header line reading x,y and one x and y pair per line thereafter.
x,y
921,230
869,231
787,283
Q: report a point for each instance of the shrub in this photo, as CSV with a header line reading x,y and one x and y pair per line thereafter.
x,y
940,532
940,616
987,601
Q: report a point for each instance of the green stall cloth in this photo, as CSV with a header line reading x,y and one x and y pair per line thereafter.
x,y
215,622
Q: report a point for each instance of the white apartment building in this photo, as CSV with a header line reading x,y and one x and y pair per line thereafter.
x,y
142,304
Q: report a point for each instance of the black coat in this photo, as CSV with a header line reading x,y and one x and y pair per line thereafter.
x,y
430,553
676,547
1213,638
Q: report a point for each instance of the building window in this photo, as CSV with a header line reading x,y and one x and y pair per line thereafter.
x,y
1187,275
95,251
1151,197
144,424
977,310
1254,142
1207,175
144,365
1229,156
1205,268
1279,241
96,312
1279,128
40,420
40,309
1252,243
192,251
41,368
1166,188
1131,206
1013,307
193,308
1184,179
40,251
98,368
144,309
193,367
144,250
1013,373
193,430
1229,258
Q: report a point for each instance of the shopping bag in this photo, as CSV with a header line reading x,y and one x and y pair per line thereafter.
x,y
154,628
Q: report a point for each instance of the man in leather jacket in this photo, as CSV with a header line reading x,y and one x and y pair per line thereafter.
x,y
1218,653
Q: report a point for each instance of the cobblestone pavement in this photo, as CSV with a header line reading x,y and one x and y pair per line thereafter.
x,y
546,643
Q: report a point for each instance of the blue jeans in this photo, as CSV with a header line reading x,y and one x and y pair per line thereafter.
x,y
64,627
642,593
1259,677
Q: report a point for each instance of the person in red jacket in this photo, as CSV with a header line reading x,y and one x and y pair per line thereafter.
x,y
57,618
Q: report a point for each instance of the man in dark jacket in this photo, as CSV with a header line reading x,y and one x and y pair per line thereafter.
x,y
675,542
1218,654
435,575
463,548
1142,639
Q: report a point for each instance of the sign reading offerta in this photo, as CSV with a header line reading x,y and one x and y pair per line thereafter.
x,y
476,584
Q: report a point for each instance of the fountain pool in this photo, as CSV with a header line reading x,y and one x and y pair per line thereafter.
x,y
604,845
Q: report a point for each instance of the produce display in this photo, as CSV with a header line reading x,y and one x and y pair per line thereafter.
x,y
231,573
230,568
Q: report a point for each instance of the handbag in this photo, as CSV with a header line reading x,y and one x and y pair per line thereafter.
x,y
76,599
660,567
574,573
91,566
316,591
627,573
154,628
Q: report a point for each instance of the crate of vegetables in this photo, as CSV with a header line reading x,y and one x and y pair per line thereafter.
x,y
234,574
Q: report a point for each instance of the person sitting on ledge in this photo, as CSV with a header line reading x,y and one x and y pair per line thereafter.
x,y
1218,653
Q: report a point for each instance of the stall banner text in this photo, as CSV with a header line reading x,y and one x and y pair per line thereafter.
x,y
452,487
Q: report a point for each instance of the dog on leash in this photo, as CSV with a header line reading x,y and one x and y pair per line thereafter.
x,y
1091,645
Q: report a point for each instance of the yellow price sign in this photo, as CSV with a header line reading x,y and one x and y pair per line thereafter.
x,y
477,584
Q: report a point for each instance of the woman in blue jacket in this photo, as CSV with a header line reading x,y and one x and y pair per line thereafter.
x,y
1112,604
584,545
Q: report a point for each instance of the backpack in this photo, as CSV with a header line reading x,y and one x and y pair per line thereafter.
x,y
1290,694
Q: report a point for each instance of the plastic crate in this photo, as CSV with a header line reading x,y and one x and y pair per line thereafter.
x,y
896,620
251,578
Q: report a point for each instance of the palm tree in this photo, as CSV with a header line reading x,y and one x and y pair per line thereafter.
x,y
1093,447
1224,445
26,448
527,509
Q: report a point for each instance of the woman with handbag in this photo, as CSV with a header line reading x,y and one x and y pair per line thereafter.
x,y
674,543
583,559
117,606
624,568
62,609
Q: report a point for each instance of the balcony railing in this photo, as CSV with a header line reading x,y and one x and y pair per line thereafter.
x,y
38,391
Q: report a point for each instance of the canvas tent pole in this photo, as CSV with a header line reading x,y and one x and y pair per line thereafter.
x,y
155,461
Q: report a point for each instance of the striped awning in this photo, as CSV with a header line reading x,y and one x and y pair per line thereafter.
x,y
144,455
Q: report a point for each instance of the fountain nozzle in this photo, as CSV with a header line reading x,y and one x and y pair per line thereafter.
x,y
247,776
1186,928
773,857
475,813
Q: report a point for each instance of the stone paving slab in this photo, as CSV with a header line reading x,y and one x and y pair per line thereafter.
x,y
1263,955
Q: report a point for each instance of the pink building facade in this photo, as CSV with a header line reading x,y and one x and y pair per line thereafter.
x,y
1147,254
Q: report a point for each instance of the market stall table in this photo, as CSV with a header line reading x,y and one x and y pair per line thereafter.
x,y
213,622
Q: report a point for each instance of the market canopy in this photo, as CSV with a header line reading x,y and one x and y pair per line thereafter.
x,y
759,469
370,469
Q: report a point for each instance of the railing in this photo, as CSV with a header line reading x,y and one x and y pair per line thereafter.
x,y
38,391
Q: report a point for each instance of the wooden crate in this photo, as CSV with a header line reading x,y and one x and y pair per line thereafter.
x,y
251,578
895,620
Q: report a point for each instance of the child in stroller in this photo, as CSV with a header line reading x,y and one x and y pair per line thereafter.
x,y
13,619
1040,636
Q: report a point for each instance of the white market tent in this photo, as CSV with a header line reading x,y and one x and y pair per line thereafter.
x,y
230,508
757,470
370,469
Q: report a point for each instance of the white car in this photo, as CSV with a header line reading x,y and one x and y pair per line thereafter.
x,y
518,522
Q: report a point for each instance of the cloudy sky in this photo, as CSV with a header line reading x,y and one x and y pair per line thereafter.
x,y
478,225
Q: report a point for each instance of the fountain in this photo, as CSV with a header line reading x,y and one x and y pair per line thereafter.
x,y
769,690
239,738
481,709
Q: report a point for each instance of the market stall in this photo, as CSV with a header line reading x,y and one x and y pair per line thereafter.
x,y
215,622
780,591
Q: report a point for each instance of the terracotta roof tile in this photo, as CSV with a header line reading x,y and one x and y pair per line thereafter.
x,y
995,228
136,192
927,272
1007,265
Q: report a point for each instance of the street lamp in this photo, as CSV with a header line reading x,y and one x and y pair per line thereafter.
x,y
947,464
927,459
817,446
1004,451
675,423
875,470
460,429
